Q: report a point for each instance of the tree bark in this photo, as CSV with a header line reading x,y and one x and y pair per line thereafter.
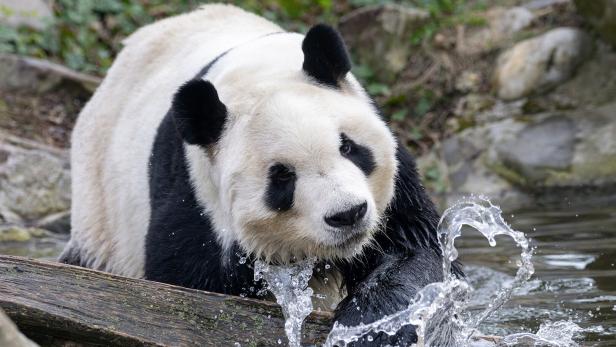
x,y
52,302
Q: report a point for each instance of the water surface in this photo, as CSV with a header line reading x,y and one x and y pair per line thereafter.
x,y
575,273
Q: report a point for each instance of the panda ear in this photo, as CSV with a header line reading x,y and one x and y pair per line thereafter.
x,y
198,113
325,56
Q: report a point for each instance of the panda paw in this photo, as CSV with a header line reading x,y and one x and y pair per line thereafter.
x,y
404,337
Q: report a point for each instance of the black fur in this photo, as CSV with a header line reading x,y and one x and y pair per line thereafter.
x,y
198,113
325,56
181,246
359,155
280,189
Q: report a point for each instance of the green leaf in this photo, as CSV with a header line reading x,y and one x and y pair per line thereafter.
x,y
399,115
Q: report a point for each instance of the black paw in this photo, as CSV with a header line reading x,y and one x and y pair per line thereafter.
x,y
404,337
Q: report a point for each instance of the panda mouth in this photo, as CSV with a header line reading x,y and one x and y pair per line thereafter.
x,y
349,238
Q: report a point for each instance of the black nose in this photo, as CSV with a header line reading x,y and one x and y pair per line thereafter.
x,y
348,217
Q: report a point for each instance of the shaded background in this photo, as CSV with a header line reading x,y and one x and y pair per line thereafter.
x,y
512,99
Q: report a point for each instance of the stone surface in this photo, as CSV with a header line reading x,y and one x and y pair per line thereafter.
x,y
522,161
59,223
10,335
374,34
601,14
502,24
31,242
34,181
540,63
40,76
31,13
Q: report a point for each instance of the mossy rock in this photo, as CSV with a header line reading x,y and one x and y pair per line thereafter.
x,y
601,14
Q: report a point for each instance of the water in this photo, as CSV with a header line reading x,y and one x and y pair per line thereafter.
x,y
575,274
289,284
457,313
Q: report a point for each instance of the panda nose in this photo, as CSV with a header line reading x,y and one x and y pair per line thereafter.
x,y
348,217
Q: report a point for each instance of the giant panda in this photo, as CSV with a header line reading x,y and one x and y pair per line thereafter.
x,y
217,136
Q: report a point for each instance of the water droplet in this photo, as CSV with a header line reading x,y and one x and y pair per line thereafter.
x,y
327,266
242,260
370,338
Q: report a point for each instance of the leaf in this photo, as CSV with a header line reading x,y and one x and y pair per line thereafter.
x,y
399,115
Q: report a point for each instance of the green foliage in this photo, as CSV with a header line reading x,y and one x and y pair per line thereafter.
x,y
87,34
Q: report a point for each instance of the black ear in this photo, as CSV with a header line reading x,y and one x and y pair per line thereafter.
x,y
325,56
198,113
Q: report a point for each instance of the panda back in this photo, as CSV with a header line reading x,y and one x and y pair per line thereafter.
x,y
112,140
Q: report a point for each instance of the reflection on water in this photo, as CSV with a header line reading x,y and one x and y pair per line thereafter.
x,y
575,273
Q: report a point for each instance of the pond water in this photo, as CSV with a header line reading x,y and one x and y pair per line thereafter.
x,y
575,273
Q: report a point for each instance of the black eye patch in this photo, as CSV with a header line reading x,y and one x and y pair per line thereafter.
x,y
358,154
281,186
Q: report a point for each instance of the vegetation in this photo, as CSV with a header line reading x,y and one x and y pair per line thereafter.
x,y
85,35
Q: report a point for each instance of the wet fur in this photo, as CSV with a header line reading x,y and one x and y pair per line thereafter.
x,y
170,226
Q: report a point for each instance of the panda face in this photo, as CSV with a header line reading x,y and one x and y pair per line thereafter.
x,y
303,165
308,171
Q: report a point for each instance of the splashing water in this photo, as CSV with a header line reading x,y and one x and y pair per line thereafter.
x,y
289,284
438,309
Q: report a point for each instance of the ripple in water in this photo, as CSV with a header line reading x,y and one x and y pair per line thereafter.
x,y
438,310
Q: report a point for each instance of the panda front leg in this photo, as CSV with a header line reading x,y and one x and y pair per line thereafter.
x,y
387,289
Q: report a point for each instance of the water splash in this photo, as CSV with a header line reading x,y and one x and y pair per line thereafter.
x,y
550,334
289,284
437,309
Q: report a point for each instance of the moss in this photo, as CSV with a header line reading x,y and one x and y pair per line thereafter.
x,y
14,234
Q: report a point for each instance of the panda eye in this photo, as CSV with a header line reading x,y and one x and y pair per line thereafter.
x,y
282,173
346,147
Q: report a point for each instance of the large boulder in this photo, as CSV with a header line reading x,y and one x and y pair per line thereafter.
x,y
380,36
541,159
541,63
34,180
601,14
30,13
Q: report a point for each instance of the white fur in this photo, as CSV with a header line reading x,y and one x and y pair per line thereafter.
x,y
275,115
112,139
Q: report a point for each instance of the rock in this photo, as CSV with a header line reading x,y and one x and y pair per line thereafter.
x,y
521,162
31,13
468,81
10,335
601,14
40,76
59,223
30,242
374,33
542,4
506,22
34,182
593,85
502,25
538,64
538,150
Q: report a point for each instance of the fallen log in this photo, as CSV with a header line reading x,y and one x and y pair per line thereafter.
x,y
53,304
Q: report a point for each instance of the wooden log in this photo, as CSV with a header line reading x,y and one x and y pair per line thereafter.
x,y
56,302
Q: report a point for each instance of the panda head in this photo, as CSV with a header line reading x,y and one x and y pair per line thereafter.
x,y
286,153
